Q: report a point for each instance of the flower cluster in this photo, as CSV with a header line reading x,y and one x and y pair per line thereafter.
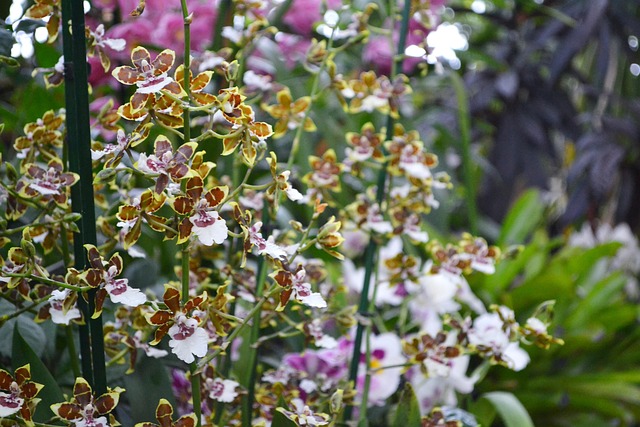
x,y
254,278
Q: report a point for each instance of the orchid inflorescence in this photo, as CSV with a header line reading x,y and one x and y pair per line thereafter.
x,y
269,254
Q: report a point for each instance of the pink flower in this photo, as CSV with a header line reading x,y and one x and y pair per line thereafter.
x,y
135,33
302,14
293,48
379,52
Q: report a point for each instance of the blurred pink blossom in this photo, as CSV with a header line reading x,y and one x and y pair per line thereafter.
x,y
302,14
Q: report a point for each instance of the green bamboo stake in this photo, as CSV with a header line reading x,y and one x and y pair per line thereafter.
x,y
79,140
372,248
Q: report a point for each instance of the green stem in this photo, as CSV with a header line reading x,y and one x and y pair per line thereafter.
x,y
256,309
465,150
195,391
367,378
186,116
16,313
248,399
222,18
49,282
73,354
79,140
314,91
372,247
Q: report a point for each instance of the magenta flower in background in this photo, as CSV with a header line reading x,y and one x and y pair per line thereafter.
x,y
302,14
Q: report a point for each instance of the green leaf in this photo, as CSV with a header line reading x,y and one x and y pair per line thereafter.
x,y
145,387
51,393
280,419
31,332
408,412
511,411
522,219
12,62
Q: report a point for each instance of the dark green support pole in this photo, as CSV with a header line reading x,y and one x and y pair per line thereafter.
x,y
79,153
372,247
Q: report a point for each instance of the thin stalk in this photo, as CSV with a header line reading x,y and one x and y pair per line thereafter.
x,y
362,421
233,335
314,91
17,313
222,18
465,149
372,248
79,140
186,116
73,355
248,399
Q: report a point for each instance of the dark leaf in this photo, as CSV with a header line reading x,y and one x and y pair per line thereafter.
x,y
577,38
6,42
29,25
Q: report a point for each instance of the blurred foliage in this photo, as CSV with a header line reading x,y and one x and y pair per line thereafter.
x,y
594,378
551,95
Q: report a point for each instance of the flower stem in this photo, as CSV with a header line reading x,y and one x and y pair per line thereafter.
x,y
233,335
314,91
247,401
372,247
465,149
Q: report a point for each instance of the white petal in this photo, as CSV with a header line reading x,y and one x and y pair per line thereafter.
x,y
327,341
516,358
98,154
229,392
13,404
155,85
46,191
132,297
196,344
293,194
60,318
213,233
115,44
154,352
314,300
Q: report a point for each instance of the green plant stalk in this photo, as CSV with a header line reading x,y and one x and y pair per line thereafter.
x,y
256,309
224,362
248,399
73,355
194,378
79,140
314,91
372,248
222,19
465,149
367,356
